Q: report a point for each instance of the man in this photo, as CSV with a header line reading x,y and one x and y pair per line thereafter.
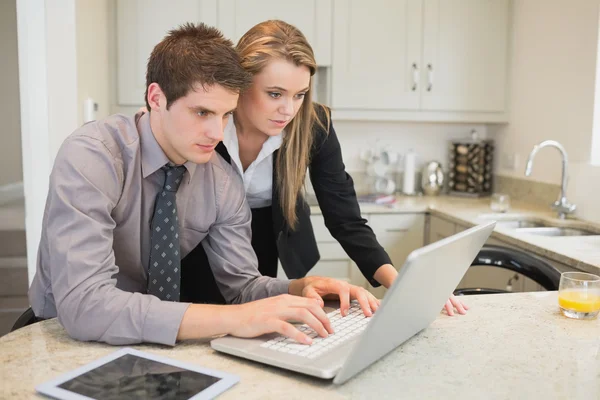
x,y
129,197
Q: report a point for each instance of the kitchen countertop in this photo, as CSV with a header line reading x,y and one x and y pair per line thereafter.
x,y
580,252
507,346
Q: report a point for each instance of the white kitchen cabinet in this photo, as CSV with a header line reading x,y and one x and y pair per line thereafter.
x,y
465,55
312,17
141,24
334,262
424,60
376,54
339,269
399,234
438,229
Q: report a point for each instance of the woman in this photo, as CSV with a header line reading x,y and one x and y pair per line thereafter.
x,y
275,134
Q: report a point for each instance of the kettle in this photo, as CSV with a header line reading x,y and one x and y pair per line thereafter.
x,y
432,178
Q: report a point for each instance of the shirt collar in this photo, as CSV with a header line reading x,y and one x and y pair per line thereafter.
x,y
153,156
230,140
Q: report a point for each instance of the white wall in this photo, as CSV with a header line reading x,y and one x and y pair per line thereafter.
x,y
11,169
553,69
48,92
91,21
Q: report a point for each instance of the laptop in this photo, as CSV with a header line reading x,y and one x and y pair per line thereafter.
x,y
428,277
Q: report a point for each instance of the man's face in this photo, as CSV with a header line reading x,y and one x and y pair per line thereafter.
x,y
193,125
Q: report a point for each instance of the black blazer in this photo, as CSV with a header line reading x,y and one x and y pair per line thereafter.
x,y
335,193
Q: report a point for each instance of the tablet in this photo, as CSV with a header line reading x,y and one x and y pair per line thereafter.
x,y
132,374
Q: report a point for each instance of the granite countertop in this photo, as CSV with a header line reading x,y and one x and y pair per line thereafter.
x,y
507,346
580,252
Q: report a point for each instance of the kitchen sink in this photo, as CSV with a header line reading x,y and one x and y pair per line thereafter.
x,y
520,224
524,223
514,221
556,231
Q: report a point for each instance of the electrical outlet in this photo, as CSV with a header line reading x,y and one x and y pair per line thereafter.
x,y
510,161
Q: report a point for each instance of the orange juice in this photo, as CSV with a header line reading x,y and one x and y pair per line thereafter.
x,y
579,301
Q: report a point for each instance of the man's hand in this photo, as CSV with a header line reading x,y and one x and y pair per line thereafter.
x,y
320,288
271,315
452,303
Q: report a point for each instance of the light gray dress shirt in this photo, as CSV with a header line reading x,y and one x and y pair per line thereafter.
x,y
94,251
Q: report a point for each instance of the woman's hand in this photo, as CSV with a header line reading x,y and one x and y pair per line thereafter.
x,y
452,303
321,288
386,274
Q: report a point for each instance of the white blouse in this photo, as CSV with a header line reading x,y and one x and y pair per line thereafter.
x,y
258,177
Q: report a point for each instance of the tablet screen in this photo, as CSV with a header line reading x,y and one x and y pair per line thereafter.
x,y
133,377
130,374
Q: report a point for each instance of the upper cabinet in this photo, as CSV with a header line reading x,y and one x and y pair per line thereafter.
x,y
429,60
465,55
312,17
376,55
417,60
141,24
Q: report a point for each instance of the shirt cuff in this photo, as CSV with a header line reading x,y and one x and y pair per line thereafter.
x,y
280,286
163,321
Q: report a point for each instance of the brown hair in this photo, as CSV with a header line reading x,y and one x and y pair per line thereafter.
x,y
276,39
193,54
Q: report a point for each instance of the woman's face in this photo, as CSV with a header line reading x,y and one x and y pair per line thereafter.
x,y
275,96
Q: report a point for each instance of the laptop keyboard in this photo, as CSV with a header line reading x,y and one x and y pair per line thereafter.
x,y
345,328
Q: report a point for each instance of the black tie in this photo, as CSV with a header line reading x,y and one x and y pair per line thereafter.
x,y
164,270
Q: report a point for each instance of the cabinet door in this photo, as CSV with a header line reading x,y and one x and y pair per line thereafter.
x,y
376,54
399,234
439,229
465,48
312,17
141,25
334,262
333,269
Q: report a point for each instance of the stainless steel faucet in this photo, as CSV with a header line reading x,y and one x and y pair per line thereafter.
x,y
561,205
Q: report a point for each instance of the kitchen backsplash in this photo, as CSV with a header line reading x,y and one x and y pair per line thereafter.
x,y
526,190
429,141
521,189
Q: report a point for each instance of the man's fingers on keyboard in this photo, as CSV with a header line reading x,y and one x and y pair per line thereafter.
x,y
318,312
286,329
305,316
314,306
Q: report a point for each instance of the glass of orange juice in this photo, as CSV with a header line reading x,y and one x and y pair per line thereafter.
x,y
579,295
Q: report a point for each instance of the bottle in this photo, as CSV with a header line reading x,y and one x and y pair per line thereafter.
x,y
408,185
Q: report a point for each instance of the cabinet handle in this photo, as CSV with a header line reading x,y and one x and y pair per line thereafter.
x,y
429,77
415,76
396,230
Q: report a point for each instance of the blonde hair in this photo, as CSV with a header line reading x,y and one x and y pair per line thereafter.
x,y
276,39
